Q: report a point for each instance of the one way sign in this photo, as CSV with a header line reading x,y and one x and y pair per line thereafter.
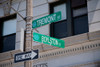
x,y
26,56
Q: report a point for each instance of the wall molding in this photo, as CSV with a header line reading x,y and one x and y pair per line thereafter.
x,y
71,50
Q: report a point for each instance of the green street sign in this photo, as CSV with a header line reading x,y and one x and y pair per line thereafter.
x,y
48,40
46,20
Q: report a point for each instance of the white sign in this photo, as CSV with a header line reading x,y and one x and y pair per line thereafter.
x,y
26,56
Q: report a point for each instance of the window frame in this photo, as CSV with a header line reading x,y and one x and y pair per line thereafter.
x,y
68,19
13,16
73,18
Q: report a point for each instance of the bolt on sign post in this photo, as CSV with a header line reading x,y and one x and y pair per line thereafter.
x,y
46,20
48,40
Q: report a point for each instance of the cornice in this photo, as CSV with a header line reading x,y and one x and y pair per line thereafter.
x,y
71,50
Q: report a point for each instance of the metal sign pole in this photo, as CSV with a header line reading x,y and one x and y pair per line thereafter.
x,y
28,35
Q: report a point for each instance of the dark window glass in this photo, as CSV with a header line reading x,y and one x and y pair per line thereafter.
x,y
76,3
60,30
1,36
80,25
8,43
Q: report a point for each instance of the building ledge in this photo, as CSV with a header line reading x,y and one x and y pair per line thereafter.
x,y
71,50
8,55
73,45
71,41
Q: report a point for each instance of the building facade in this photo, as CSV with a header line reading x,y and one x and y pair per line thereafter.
x,y
79,27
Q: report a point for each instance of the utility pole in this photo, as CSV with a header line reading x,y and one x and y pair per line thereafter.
x,y
28,34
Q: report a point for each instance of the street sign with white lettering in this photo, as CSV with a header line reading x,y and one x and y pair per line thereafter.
x,y
48,40
46,20
30,55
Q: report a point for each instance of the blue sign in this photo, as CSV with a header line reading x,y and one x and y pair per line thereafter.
x,y
26,56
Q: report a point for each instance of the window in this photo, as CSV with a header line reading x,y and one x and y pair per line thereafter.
x,y
80,18
63,10
7,37
60,28
74,18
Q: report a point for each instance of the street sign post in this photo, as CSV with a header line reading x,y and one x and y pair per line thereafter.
x,y
46,20
30,55
48,40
